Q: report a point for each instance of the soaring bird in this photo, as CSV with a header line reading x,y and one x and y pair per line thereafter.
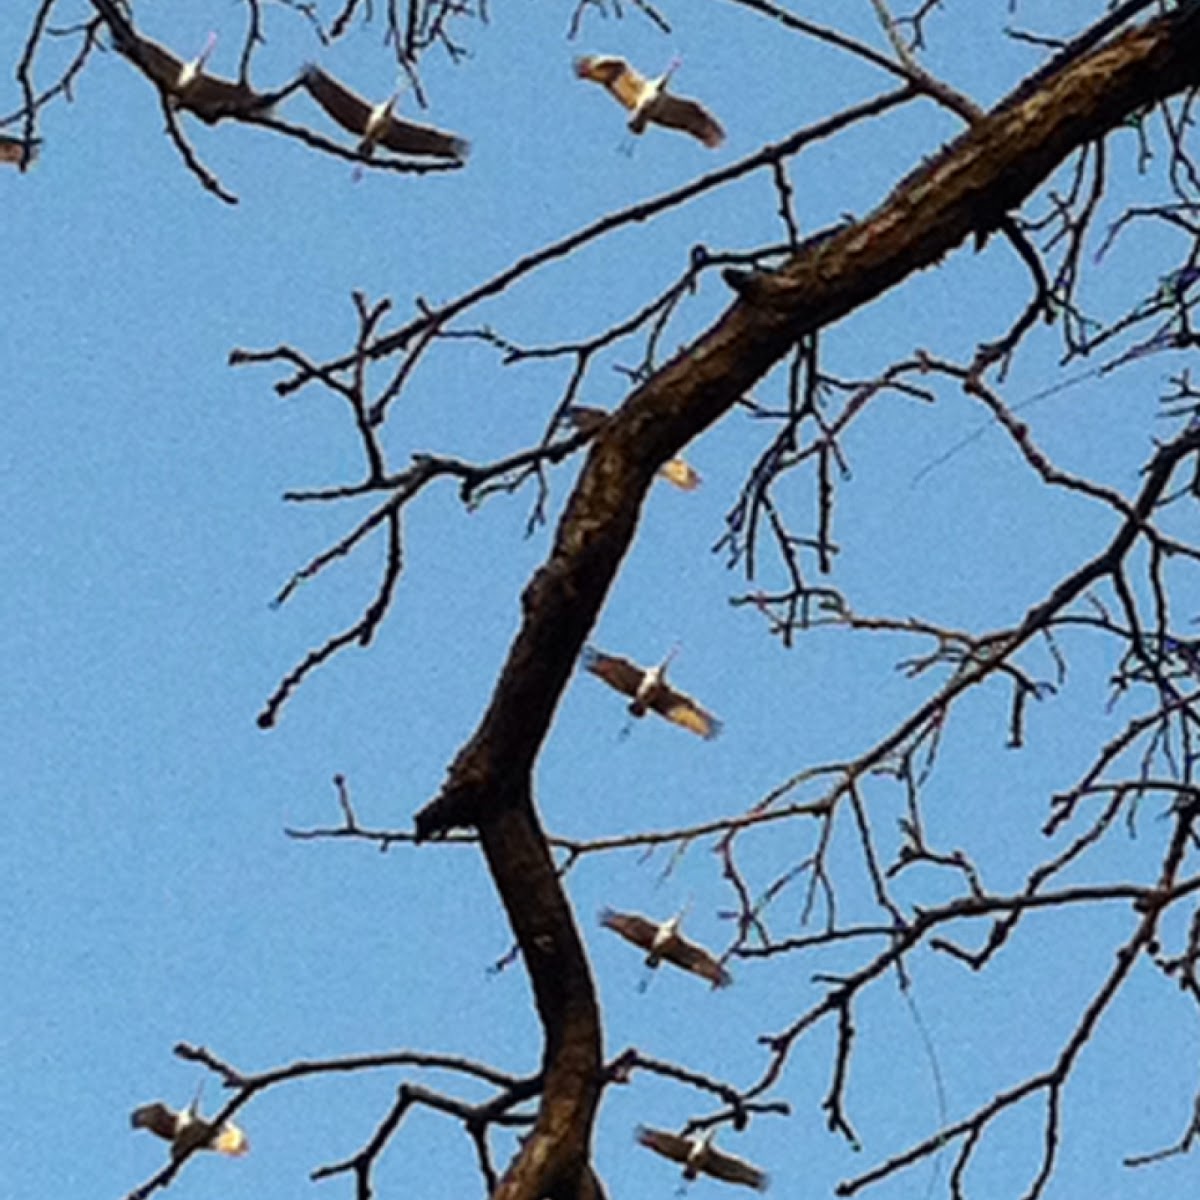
x,y
377,124
186,84
12,150
700,1157
186,1129
588,420
648,99
664,943
650,691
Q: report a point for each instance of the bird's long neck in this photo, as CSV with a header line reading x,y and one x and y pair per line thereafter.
x,y
660,84
194,68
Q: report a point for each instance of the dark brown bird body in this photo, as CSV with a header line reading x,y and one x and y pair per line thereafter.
x,y
700,1157
664,943
648,99
186,84
650,692
377,125
186,1130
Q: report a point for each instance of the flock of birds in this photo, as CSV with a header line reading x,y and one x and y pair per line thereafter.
x,y
648,690
189,86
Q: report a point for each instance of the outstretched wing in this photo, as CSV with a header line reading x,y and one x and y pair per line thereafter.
x,y
689,115
669,1145
617,672
683,475
631,926
734,1170
159,1118
696,959
349,110
229,1139
407,137
625,84
585,417
684,711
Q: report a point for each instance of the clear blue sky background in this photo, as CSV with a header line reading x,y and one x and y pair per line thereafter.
x,y
147,892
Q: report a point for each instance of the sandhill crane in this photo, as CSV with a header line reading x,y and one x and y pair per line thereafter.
x,y
186,1129
648,99
12,150
377,124
664,943
700,1157
186,84
588,419
650,691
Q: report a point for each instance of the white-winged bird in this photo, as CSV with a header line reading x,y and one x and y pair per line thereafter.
x,y
700,1157
588,419
648,99
650,691
186,1129
377,124
187,84
664,943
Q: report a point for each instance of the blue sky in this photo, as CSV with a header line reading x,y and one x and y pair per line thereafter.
x,y
148,891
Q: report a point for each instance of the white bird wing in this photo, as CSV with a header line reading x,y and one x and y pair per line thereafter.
x,y
631,926
230,1139
622,81
669,1145
680,473
689,115
734,1170
696,959
619,673
682,710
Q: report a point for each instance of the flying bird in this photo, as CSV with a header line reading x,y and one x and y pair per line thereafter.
x,y
186,84
700,1157
12,150
650,691
664,943
377,125
648,99
587,419
186,1129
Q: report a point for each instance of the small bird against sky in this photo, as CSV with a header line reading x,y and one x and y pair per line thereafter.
x,y
376,124
648,99
664,943
187,84
700,1157
650,691
186,1129
588,420
12,150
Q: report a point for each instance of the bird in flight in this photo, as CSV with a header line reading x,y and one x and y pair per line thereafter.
x,y
12,150
377,124
587,419
650,691
700,1157
648,99
664,943
186,84
186,1129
